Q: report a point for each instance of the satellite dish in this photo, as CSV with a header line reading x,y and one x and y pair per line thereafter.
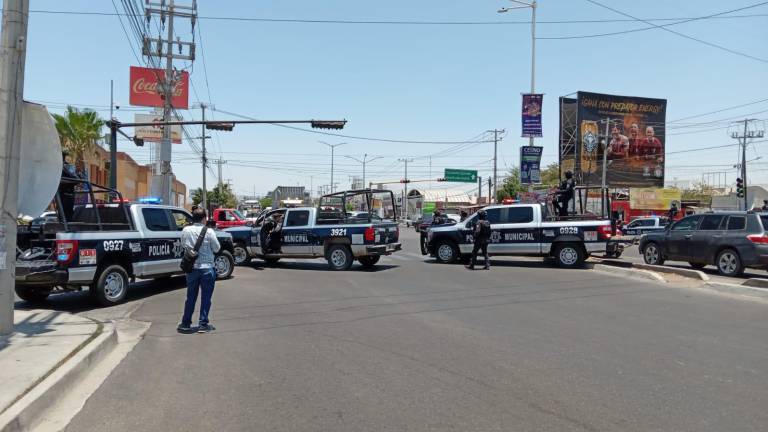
x,y
41,164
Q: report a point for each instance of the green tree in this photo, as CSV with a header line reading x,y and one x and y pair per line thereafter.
x,y
265,202
511,186
219,196
550,176
78,131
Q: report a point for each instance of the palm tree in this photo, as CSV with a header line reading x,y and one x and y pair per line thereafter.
x,y
78,131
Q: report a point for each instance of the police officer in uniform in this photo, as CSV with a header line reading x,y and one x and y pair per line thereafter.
x,y
437,218
564,194
482,238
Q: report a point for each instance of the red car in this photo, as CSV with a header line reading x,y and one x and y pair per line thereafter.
x,y
228,218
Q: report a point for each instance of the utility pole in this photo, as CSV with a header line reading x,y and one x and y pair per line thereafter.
x,y
479,189
220,162
112,140
404,203
202,107
162,180
490,198
13,49
495,159
748,134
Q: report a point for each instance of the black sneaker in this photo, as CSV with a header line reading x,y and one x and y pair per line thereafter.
x,y
185,329
469,267
205,328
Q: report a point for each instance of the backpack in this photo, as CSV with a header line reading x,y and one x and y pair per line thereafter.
x,y
485,230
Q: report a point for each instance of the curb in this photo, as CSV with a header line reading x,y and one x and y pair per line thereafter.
x,y
756,282
25,413
628,271
743,290
693,274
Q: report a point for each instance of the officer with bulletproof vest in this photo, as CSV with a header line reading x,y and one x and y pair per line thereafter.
x,y
482,235
437,218
564,194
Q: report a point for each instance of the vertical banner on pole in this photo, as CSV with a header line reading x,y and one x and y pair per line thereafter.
x,y
530,164
532,115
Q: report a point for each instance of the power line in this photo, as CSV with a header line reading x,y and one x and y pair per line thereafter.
x,y
402,22
720,110
653,26
720,47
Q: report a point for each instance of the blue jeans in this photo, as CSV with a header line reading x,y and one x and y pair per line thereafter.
x,y
199,280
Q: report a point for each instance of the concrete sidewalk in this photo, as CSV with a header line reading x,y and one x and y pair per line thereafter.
x,y
45,353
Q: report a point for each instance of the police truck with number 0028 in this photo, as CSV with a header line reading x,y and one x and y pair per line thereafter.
x,y
522,230
104,247
344,227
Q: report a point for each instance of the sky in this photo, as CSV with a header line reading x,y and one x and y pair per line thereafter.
x,y
435,83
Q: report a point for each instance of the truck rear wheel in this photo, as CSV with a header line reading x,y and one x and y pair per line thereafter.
x,y
111,286
569,255
339,257
369,261
224,264
32,294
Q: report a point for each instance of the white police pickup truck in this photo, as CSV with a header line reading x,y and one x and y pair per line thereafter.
x,y
331,231
104,247
523,230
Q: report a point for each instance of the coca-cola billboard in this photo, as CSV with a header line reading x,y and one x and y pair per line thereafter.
x,y
144,88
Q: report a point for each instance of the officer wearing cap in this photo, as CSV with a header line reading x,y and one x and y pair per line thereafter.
x,y
564,194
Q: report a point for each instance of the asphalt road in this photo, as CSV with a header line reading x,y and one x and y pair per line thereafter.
x,y
418,346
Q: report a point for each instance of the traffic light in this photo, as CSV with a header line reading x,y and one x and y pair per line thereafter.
x,y
220,126
328,124
138,141
740,187
441,179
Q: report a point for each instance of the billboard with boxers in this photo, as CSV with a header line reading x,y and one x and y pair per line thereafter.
x,y
631,130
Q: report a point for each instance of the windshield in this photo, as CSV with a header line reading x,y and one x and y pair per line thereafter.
x,y
238,214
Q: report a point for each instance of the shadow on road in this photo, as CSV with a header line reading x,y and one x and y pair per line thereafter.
x,y
316,266
543,264
80,301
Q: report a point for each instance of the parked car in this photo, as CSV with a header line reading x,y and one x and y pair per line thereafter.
x,y
228,218
731,241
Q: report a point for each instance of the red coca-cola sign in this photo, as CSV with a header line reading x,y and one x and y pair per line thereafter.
x,y
145,88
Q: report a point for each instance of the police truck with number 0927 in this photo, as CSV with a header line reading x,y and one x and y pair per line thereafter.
x,y
523,230
104,244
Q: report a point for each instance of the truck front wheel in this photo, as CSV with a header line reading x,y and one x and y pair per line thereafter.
x,y
339,257
241,254
446,252
32,294
224,264
569,255
111,286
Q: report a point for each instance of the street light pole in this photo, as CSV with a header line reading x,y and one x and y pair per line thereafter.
x,y
364,161
533,5
333,148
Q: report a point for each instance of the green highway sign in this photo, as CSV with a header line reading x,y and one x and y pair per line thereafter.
x,y
460,175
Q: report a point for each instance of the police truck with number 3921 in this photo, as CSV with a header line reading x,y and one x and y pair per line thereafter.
x,y
523,230
345,226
